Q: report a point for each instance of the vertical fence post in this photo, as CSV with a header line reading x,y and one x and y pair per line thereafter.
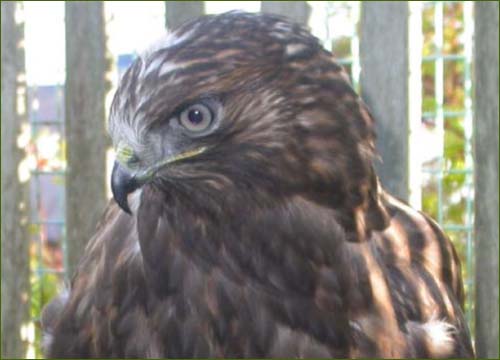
x,y
178,12
384,86
85,123
298,11
486,177
15,239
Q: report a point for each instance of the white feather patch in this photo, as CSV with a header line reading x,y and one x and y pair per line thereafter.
x,y
439,337
135,200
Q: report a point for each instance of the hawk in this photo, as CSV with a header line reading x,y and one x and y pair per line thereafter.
x,y
247,218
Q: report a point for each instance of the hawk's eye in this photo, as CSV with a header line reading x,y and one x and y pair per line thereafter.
x,y
196,118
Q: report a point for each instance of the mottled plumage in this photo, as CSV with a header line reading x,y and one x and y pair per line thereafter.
x,y
262,232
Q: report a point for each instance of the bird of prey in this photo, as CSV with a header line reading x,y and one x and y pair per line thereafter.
x,y
247,218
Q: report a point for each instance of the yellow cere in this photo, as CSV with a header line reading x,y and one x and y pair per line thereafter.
x,y
124,153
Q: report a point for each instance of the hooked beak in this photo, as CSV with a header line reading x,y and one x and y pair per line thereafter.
x,y
123,182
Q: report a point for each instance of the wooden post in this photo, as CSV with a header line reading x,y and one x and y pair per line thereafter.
x,y
384,86
85,124
15,239
178,12
486,177
298,11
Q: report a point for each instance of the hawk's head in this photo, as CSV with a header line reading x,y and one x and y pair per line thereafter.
x,y
242,104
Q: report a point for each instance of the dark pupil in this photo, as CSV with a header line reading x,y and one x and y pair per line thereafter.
x,y
195,116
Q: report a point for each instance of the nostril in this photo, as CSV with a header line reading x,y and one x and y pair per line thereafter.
x,y
133,161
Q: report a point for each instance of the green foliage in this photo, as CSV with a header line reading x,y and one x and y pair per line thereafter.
x,y
446,196
454,98
341,47
44,286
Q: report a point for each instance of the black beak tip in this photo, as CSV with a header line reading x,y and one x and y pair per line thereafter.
x,y
123,204
122,184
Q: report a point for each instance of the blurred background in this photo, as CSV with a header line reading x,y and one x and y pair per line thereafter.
x,y
428,70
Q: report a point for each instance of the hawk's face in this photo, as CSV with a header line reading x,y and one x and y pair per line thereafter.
x,y
240,101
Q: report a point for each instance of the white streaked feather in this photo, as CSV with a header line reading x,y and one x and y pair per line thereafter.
x,y
295,49
168,67
168,40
